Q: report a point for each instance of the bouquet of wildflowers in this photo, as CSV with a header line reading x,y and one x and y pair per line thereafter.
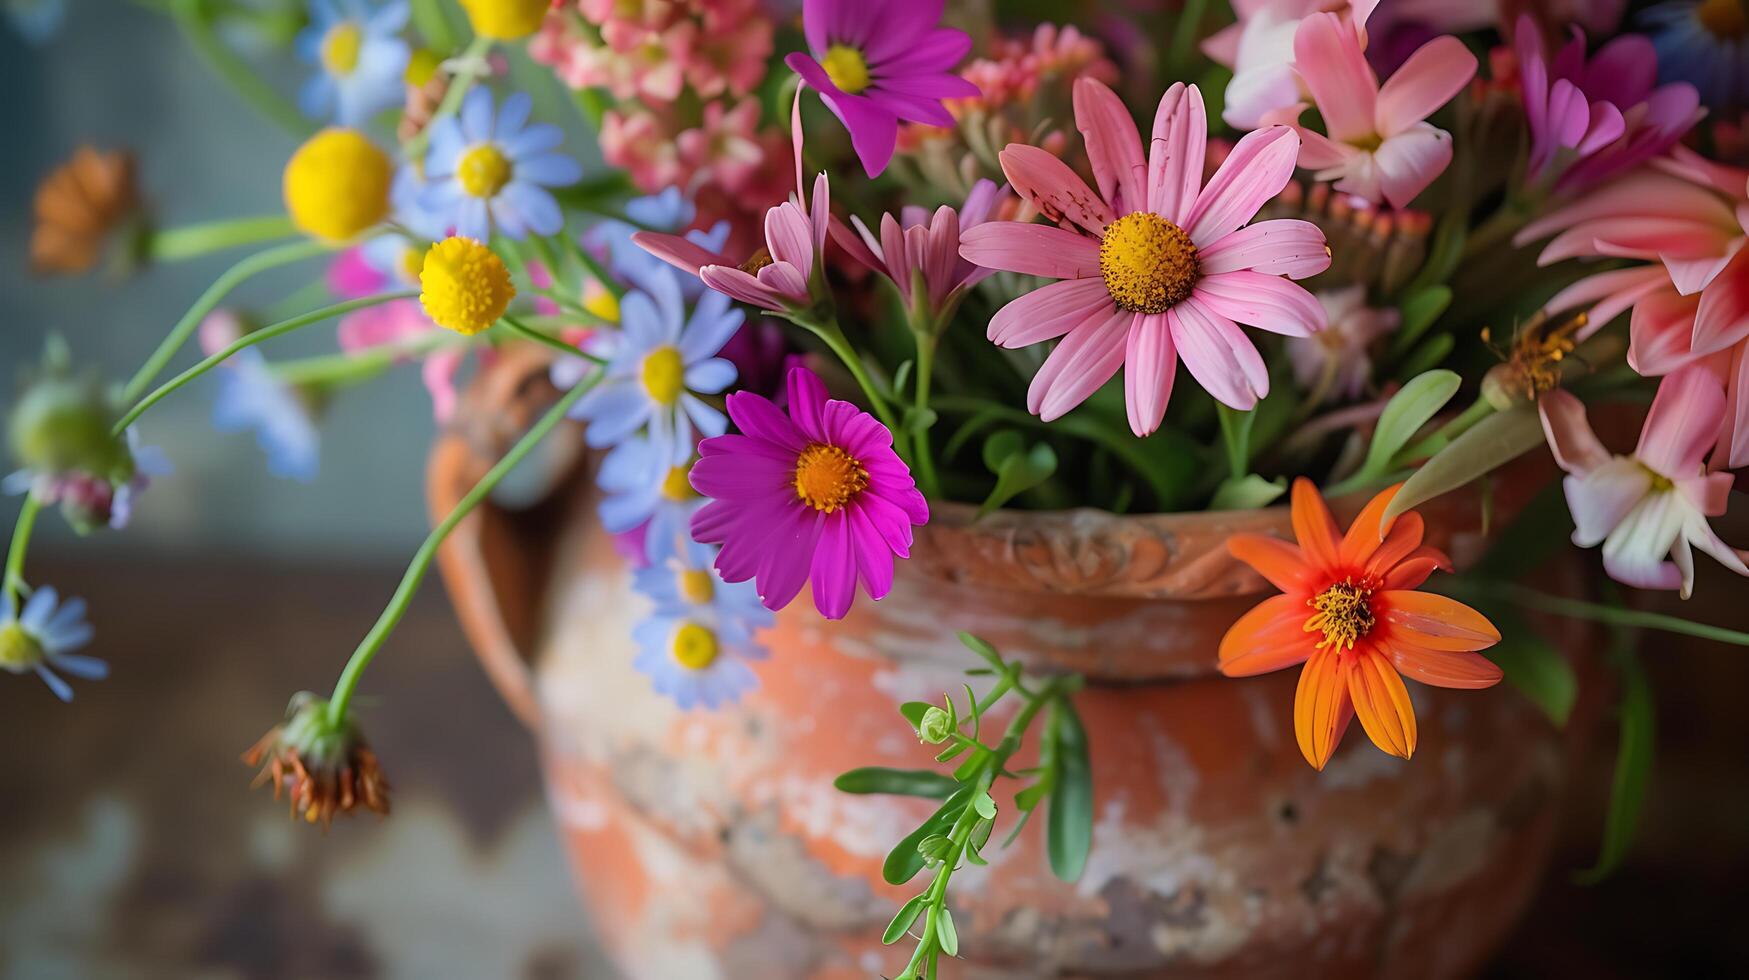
x,y
843,264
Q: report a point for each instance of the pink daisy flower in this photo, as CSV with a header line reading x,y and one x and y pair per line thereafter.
x,y
1156,265
876,62
817,496
780,277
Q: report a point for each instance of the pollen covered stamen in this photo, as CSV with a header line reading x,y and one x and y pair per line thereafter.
x,y
827,477
1344,614
760,258
1149,264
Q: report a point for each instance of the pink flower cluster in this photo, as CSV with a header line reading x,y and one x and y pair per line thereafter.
x,y
1015,68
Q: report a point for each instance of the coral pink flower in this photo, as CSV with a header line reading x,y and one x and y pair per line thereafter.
x,y
724,147
1654,504
1379,145
919,249
876,63
1260,50
817,495
1597,117
637,142
733,45
780,279
1155,265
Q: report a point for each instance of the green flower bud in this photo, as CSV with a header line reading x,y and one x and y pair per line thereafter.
x,y
935,727
61,422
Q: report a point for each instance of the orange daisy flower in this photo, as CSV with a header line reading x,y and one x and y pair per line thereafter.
x,y
1351,614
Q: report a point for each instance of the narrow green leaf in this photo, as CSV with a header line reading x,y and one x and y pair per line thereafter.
x,y
982,648
1247,493
1236,436
946,935
1069,824
900,376
1408,410
975,843
1633,767
934,848
985,805
897,782
1533,665
1017,468
1489,444
903,862
902,920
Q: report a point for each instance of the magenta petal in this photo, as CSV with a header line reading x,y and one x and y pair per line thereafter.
x,y
874,560
788,553
756,416
807,400
744,476
833,573
1031,249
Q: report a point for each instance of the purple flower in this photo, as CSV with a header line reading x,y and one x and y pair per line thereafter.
x,y
876,62
817,495
917,247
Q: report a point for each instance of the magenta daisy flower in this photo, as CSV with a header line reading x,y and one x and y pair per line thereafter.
x,y
876,62
1156,266
815,496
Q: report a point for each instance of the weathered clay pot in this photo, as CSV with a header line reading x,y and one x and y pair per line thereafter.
x,y
713,844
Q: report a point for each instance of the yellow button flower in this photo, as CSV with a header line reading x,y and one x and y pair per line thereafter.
x,y
464,285
506,20
337,184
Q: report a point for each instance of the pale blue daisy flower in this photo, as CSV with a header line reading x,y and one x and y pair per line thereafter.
x,y
644,486
684,584
360,59
41,639
658,364
489,171
1704,44
251,398
692,663
668,211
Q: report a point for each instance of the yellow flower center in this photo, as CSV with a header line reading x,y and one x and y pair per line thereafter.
x,y
340,47
664,375
601,301
483,170
506,20
676,486
827,477
19,651
1344,614
1149,264
697,586
337,185
693,646
1724,19
464,286
846,67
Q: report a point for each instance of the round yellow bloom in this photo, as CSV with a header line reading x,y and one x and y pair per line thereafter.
x,y
464,286
506,20
337,184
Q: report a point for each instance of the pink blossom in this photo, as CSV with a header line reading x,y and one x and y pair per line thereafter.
x,y
724,147
732,48
1154,265
1379,145
1260,50
637,142
1654,504
782,280
1337,361
921,249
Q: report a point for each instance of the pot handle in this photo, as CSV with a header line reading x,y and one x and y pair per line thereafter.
x,y
497,563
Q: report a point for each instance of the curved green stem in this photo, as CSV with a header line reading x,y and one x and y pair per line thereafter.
x,y
195,21
422,559
833,337
190,241
546,340
14,583
1613,615
249,340
345,368
221,287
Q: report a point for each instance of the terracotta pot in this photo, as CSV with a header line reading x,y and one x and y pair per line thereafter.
x,y
713,844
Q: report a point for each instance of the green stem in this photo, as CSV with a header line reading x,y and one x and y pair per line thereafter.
x,y
191,241
1613,615
926,342
833,337
592,265
1480,409
195,21
338,369
422,559
14,583
249,340
476,52
231,279
546,340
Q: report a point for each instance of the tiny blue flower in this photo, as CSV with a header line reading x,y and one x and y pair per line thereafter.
x,y
489,172
684,584
360,60
41,639
37,21
1705,44
658,364
643,485
692,663
250,397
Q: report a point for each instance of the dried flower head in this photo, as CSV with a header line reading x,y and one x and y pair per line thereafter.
x,y
78,208
322,767
1535,361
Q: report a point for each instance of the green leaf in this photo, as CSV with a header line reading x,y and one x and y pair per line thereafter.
x,y
913,712
1633,766
1486,446
1017,468
934,848
902,919
1236,435
903,861
985,805
1419,311
982,648
1431,352
1533,665
900,377
1247,493
945,934
897,782
1408,410
1069,824
918,420
975,843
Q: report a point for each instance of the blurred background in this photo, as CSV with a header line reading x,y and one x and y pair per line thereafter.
x,y
130,845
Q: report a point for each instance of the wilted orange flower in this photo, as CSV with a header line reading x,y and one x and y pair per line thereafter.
x,y
324,770
1349,612
78,205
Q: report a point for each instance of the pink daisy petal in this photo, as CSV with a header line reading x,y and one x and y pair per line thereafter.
x,y
1267,302
1083,361
1049,312
1114,147
1256,170
1031,249
1058,192
1176,152
1150,363
1278,247
1218,355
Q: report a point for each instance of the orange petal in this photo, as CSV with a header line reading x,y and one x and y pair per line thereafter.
x,y
1313,527
1414,570
1369,529
1321,707
1424,619
1269,637
1445,668
1279,561
1381,702
1402,540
